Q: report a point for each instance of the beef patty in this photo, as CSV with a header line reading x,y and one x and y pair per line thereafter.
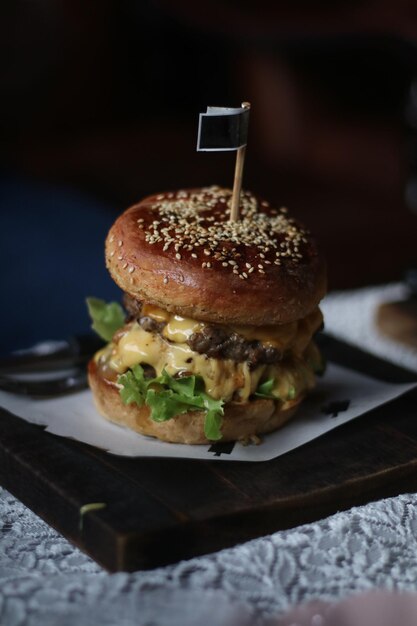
x,y
217,342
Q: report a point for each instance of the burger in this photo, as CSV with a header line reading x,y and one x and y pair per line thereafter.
x,y
217,340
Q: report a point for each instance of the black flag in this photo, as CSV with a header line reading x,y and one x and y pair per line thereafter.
x,y
222,128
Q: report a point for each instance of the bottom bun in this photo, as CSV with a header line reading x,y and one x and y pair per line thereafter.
x,y
240,421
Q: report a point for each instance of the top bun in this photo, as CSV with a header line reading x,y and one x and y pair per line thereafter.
x,y
179,251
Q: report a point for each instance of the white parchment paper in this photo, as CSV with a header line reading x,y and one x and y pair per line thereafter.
x,y
340,396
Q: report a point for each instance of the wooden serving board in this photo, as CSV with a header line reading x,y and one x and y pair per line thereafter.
x,y
160,511
398,320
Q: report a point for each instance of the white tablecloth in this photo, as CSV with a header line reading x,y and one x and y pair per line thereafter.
x,y
45,581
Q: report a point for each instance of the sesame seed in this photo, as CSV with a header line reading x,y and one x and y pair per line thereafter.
x,y
209,264
131,269
124,266
188,220
165,280
120,243
178,256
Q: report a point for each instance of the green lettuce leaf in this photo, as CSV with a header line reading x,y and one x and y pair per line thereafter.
x,y
134,386
292,392
167,397
185,385
265,389
213,420
165,404
107,318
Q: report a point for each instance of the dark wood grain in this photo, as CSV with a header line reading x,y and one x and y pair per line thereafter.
x,y
159,511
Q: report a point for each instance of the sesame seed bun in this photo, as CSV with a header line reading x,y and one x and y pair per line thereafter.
x,y
179,251
240,421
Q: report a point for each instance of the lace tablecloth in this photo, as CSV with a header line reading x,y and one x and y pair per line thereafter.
x,y
45,581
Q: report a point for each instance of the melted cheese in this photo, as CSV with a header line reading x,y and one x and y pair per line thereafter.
x,y
290,379
222,378
151,310
179,329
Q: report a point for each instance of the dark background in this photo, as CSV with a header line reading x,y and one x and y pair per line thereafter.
x,y
99,104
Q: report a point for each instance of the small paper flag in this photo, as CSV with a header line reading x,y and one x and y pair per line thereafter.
x,y
222,128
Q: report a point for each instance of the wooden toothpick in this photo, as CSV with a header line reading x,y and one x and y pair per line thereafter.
x,y
237,183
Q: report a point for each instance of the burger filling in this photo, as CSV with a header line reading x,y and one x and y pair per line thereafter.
x,y
240,343
159,357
